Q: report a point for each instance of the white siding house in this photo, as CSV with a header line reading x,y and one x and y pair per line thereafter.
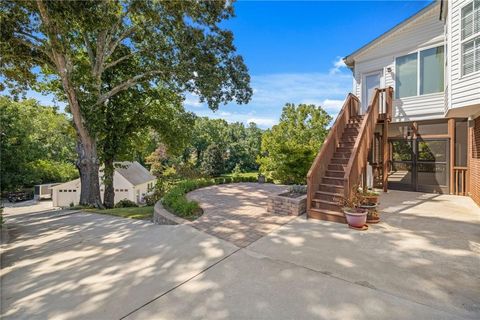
x,y
432,62
131,181
421,32
463,37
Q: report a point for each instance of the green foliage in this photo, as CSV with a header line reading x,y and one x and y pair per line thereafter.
x,y
125,203
289,148
213,163
37,145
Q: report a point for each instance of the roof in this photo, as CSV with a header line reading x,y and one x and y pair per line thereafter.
x,y
349,60
69,184
134,172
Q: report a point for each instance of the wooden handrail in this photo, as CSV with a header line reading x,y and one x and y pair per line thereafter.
x,y
358,160
349,109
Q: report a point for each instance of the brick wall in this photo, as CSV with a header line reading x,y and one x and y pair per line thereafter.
x,y
280,205
474,160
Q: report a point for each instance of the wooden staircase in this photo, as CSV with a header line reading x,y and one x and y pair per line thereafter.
x,y
342,161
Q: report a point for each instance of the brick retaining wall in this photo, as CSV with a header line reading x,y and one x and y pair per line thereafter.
x,y
280,205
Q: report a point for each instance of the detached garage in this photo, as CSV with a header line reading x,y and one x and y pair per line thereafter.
x,y
131,181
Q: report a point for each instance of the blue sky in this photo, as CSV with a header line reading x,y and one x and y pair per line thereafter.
x,y
293,51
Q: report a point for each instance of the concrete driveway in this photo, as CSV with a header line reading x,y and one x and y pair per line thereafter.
x,y
421,262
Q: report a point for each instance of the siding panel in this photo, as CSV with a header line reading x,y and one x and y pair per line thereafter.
x,y
426,31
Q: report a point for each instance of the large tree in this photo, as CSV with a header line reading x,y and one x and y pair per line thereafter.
x,y
288,149
66,47
129,118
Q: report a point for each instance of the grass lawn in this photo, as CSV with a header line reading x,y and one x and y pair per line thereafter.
x,y
142,213
243,174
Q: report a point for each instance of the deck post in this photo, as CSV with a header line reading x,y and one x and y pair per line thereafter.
x,y
451,133
385,148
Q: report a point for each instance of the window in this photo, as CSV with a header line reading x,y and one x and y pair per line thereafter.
x,y
471,37
406,76
431,70
419,73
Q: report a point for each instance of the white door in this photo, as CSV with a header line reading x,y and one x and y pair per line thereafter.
x,y
371,81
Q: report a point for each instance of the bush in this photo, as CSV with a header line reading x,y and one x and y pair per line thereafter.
x,y
125,203
300,189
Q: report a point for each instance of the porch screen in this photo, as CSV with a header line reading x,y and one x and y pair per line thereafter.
x,y
406,76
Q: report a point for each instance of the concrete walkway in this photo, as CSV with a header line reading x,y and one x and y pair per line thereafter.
x,y
421,262
237,212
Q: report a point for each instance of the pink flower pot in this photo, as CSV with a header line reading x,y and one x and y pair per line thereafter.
x,y
355,217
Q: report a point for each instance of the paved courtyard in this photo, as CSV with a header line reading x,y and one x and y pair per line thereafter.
x,y
237,212
421,262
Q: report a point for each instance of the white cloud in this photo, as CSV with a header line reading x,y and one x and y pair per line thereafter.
x,y
272,91
192,100
338,65
332,105
263,122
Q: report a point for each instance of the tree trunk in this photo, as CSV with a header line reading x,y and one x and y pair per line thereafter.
x,y
87,162
88,166
109,194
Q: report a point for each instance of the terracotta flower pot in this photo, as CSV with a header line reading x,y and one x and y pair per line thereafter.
x,y
370,199
356,217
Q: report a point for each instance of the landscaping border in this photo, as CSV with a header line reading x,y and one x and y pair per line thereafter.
x,y
163,217
174,207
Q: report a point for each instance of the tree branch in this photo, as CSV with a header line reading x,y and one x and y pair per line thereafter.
x,y
125,85
114,63
91,56
115,44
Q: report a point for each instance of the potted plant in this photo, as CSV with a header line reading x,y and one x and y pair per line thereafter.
x,y
355,215
370,196
372,214
261,178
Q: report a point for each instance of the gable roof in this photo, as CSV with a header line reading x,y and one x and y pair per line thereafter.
x,y
133,172
349,60
72,184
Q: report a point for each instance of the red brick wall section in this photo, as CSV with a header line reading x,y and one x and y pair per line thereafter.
x,y
474,160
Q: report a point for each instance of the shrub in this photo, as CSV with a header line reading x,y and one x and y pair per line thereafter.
x,y
300,189
125,203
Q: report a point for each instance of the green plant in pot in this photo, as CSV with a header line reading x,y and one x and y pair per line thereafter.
x,y
370,196
355,215
369,201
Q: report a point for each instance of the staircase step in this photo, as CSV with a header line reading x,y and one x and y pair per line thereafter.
x,y
349,144
348,139
339,161
330,188
328,196
326,215
334,173
337,167
344,150
350,131
327,205
354,125
333,181
342,155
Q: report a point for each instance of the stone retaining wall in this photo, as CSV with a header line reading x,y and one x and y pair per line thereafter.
x,y
162,216
278,204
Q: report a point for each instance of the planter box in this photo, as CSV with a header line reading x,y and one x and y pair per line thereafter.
x,y
287,206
